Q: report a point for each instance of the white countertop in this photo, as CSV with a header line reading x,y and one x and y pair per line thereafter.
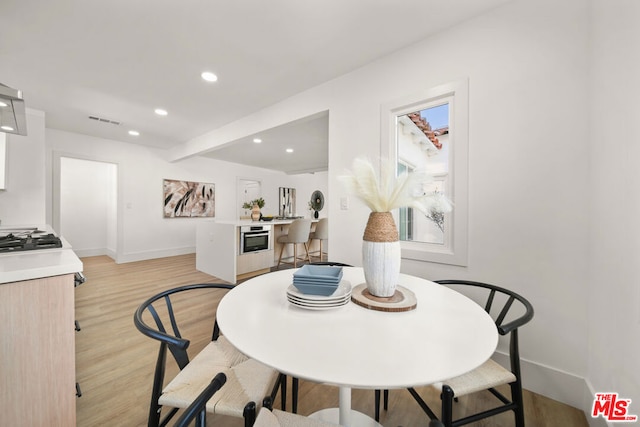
x,y
27,265
241,222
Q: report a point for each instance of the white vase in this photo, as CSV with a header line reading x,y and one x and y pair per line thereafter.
x,y
255,213
381,254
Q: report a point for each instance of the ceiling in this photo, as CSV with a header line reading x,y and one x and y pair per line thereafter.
x,y
118,60
306,137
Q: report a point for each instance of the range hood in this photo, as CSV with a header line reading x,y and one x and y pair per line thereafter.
x,y
12,114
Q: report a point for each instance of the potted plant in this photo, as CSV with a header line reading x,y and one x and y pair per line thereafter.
x,y
255,206
381,245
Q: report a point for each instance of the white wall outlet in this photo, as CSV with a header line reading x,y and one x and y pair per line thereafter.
x,y
344,203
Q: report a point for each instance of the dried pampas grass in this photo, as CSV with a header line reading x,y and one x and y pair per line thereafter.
x,y
391,191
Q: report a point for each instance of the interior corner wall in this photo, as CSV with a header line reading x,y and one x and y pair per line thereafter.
x,y
22,203
614,288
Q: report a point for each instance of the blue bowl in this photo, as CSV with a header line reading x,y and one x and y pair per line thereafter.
x,y
316,289
322,274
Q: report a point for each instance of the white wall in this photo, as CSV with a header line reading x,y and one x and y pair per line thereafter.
x,y
527,64
88,206
614,287
22,203
143,233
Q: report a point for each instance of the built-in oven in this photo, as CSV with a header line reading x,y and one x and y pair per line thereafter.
x,y
254,238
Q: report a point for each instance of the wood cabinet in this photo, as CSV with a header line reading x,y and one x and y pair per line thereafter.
x,y
37,353
256,262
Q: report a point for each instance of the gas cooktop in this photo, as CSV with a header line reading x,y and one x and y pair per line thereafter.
x,y
28,240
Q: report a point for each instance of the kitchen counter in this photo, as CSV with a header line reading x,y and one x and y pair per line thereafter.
x,y
27,265
37,334
218,243
241,222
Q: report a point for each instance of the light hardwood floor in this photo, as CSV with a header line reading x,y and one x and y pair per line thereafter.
x,y
115,362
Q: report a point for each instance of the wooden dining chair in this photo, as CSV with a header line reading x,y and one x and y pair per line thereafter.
x,y
248,383
267,417
331,263
198,407
510,311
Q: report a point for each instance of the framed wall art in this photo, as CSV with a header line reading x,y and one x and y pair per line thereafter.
x,y
189,199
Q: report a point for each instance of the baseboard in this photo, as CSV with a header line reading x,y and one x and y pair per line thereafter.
x,y
94,252
587,407
111,254
142,256
558,385
135,256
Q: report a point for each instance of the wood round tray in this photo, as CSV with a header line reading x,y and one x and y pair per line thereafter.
x,y
402,300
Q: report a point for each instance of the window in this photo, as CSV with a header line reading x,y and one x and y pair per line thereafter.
x,y
405,219
429,132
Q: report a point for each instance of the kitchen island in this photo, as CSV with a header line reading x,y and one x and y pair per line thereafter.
x,y
37,335
219,249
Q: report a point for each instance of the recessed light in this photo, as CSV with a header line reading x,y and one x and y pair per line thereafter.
x,y
3,104
289,150
209,76
9,128
134,133
257,140
161,112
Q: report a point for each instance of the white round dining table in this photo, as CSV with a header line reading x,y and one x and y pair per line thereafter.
x,y
351,346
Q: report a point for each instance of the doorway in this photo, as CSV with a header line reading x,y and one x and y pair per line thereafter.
x,y
88,206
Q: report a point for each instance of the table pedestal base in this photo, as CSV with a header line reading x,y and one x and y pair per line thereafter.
x,y
332,415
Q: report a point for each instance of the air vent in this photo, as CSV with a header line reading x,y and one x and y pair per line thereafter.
x,y
103,120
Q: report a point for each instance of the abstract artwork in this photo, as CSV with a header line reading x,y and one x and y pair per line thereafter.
x,y
189,199
287,197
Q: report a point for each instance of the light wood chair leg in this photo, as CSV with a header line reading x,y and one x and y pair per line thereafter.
x,y
306,248
280,258
295,255
320,249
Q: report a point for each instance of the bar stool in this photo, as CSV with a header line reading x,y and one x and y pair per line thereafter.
x,y
298,233
321,233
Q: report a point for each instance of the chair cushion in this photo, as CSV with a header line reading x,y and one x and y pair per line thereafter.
x,y
266,419
488,375
247,381
223,352
279,418
288,419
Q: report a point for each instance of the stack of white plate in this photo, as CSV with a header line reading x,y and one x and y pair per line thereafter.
x,y
340,297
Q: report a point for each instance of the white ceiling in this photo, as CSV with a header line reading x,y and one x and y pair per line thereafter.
x,y
121,59
307,137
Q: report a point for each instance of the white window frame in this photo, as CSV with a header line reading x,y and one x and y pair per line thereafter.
x,y
455,250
